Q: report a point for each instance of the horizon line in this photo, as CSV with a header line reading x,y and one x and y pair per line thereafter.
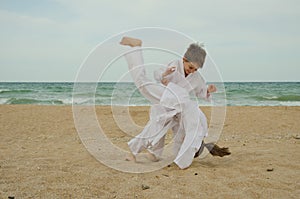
x,y
238,81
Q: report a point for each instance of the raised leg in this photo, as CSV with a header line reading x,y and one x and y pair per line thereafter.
x,y
148,88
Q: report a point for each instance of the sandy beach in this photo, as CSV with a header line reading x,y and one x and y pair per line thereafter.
x,y
41,156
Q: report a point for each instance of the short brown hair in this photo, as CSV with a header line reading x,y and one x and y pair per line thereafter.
x,y
196,54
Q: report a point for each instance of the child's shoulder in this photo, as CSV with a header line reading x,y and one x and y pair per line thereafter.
x,y
197,75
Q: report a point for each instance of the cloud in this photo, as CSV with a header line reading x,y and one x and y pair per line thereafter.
x,y
255,34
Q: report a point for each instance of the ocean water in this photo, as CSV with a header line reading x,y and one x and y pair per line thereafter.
x,y
111,93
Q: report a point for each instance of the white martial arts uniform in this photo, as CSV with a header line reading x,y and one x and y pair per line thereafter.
x,y
193,83
172,109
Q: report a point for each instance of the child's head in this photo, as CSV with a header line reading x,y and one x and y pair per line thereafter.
x,y
194,58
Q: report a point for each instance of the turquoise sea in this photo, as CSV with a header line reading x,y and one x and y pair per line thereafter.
x,y
111,93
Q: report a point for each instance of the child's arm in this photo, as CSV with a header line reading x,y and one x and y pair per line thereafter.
x,y
163,74
158,74
165,81
205,92
210,89
202,90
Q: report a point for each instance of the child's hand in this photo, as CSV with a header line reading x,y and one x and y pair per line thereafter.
x,y
169,71
165,81
211,88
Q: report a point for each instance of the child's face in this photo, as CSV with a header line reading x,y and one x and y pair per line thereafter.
x,y
189,67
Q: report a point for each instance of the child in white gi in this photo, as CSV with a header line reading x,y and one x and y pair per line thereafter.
x,y
173,100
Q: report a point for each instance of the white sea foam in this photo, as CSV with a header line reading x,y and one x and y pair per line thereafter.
x,y
289,103
3,100
3,90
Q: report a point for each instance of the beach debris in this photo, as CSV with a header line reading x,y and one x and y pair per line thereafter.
x,y
11,197
270,169
165,175
144,187
196,174
215,150
297,137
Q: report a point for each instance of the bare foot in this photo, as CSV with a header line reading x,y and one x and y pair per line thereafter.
x,y
128,41
152,157
131,158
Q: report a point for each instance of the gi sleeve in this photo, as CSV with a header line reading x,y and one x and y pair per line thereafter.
x,y
201,89
158,74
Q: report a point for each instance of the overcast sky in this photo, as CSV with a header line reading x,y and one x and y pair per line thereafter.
x,y
249,40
